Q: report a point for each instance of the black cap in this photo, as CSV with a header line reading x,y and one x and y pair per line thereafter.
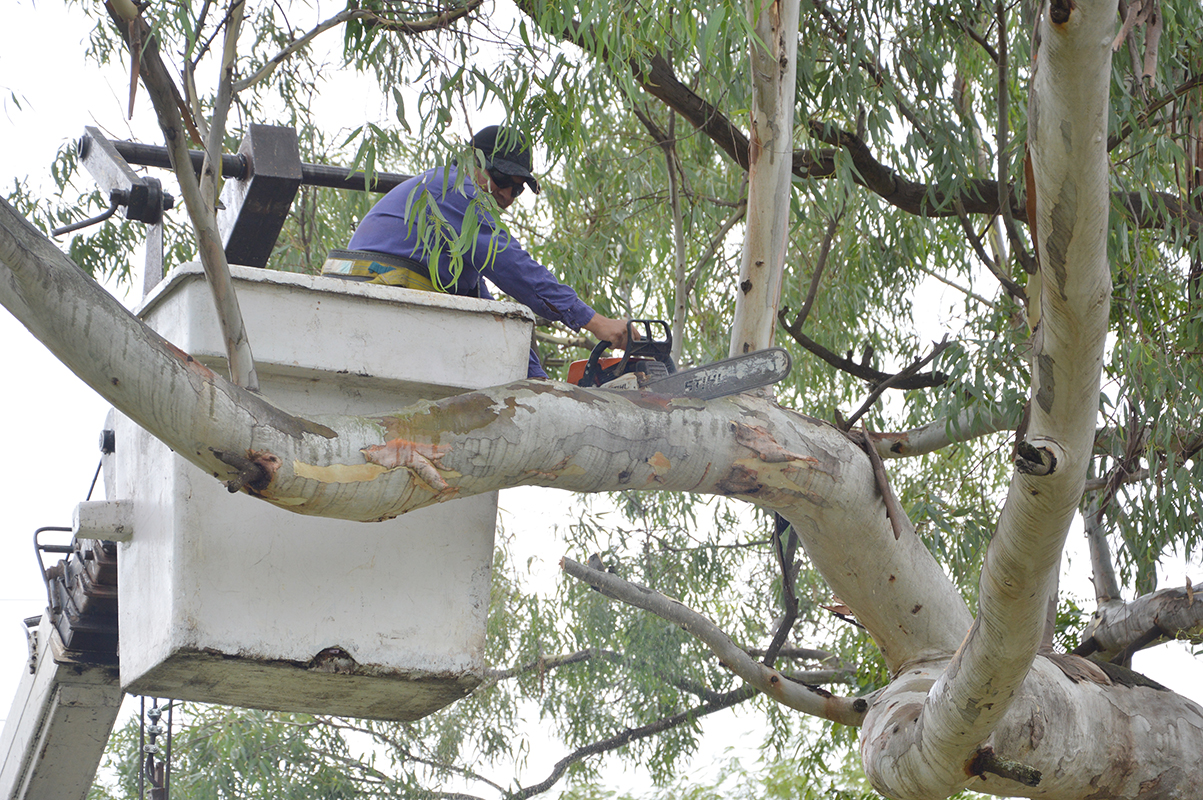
x,y
505,151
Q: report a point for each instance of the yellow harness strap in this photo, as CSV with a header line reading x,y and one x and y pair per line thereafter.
x,y
371,268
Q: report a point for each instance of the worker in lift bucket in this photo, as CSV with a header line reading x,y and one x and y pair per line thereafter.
x,y
410,230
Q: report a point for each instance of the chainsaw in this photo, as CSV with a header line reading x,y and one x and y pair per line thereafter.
x,y
649,363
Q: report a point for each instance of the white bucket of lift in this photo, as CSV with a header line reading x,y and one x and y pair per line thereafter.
x,y
227,599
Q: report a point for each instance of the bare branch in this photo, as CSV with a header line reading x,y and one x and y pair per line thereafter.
x,y
400,747
969,424
953,284
816,276
896,380
1152,108
800,653
1106,586
893,508
1012,288
170,108
716,241
798,696
785,552
979,38
633,734
372,19
1002,131
861,370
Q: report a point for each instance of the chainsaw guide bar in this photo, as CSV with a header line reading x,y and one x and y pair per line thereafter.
x,y
729,376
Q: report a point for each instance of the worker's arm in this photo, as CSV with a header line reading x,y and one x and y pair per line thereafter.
x,y
609,330
515,272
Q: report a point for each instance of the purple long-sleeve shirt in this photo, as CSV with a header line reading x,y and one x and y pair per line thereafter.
x,y
388,228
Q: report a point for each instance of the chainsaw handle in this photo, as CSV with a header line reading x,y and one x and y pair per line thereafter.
x,y
593,369
646,345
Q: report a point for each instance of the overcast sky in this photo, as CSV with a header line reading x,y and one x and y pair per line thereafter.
x,y
52,421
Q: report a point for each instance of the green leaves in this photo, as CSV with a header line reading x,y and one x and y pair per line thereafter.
x,y
916,86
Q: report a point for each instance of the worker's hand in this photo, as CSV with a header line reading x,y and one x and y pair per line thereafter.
x,y
609,330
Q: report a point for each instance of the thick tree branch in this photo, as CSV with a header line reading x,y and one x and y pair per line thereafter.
x,y
979,197
1160,211
862,370
970,423
1069,109
1106,585
1120,628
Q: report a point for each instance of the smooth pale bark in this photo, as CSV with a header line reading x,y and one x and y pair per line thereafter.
x,y
528,433
773,56
1089,738
1117,626
968,424
966,702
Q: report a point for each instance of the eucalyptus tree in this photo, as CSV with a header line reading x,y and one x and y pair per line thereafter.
x,y
1067,224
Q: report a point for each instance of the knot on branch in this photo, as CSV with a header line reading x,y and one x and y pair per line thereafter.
x,y
987,761
255,470
1032,460
1060,10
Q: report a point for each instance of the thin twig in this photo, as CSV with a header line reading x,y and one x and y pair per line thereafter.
x,y
408,755
717,241
962,289
440,20
816,276
896,379
810,700
1126,130
979,38
1003,134
894,510
785,552
633,734
1013,288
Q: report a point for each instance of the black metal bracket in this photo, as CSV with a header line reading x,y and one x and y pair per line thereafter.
x,y
143,197
262,181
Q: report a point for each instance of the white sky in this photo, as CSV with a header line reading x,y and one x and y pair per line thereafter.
x,y
53,420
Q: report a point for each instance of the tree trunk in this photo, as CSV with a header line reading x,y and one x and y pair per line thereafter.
x,y
773,57
949,721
